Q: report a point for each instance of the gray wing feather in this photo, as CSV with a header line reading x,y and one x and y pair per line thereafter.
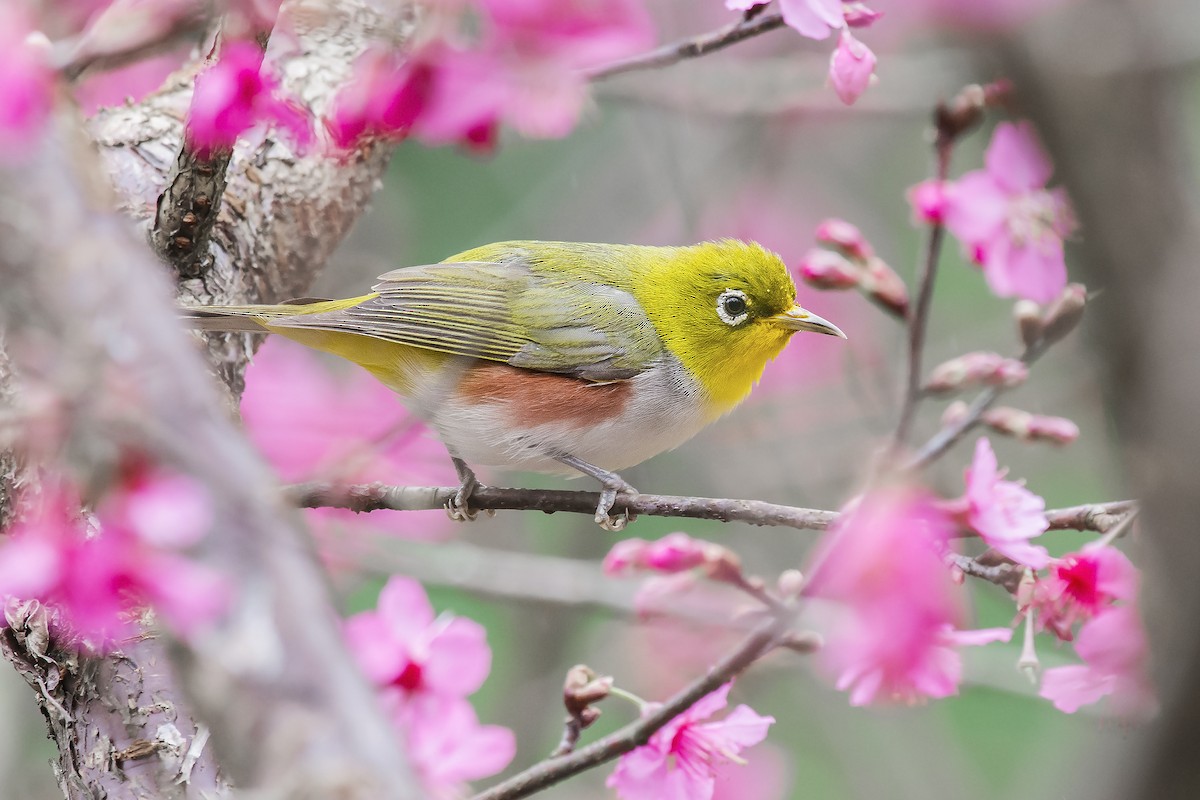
x,y
504,312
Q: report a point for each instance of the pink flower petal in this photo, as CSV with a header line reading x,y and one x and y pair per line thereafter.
x,y
815,19
975,207
1016,159
851,68
369,637
405,607
459,658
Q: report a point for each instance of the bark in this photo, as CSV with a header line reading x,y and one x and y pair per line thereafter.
x,y
88,313
1110,109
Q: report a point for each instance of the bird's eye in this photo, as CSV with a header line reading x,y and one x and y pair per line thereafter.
x,y
731,307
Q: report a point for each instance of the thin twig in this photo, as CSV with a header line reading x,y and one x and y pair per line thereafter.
x,y
636,734
375,497
748,26
372,497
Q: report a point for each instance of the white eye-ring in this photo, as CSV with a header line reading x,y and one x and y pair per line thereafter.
x,y
732,308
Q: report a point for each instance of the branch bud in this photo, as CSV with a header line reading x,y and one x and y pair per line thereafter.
x,y
884,286
825,269
1064,313
581,689
954,414
791,583
988,369
1031,427
1029,322
845,237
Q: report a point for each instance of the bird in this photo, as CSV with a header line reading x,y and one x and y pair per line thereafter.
x,y
557,357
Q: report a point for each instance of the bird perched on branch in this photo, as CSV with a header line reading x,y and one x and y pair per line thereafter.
x,y
556,356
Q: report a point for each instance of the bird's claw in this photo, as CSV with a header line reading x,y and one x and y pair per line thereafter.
x,y
608,497
458,507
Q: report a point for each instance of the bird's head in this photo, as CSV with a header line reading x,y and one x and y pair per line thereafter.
x,y
725,309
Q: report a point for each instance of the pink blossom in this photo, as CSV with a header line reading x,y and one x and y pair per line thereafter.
x,y
826,269
235,94
767,777
26,83
845,237
892,606
859,15
1004,513
1010,224
1080,585
1113,648
448,746
401,645
312,423
675,552
928,201
1031,427
974,369
383,98
97,581
851,68
681,758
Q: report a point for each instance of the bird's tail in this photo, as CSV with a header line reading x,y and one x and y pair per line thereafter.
x,y
254,319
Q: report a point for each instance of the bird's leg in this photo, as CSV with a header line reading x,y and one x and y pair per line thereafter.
x,y
612,483
458,507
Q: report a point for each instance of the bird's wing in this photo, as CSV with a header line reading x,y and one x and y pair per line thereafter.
x,y
503,312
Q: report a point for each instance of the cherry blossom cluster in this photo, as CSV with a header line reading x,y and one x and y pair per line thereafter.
x,y
99,572
852,65
424,666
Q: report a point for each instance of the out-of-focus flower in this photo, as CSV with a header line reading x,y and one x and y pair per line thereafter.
x,y
928,202
1005,514
313,424
852,263
449,747
1064,314
680,759
98,581
1080,585
826,269
1113,648
26,83
851,68
675,552
524,68
893,608
1030,427
975,369
815,19
1009,222
845,237
235,94
859,15
402,646
767,777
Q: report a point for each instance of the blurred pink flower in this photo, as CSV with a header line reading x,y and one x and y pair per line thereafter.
x,y
1081,585
314,424
928,201
235,94
402,646
681,758
1031,427
448,746
26,83
675,552
1011,225
1113,648
815,19
767,777
97,581
1005,514
891,632
974,369
851,68
523,69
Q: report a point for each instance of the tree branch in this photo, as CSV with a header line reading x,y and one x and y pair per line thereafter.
x,y
748,26
377,497
636,734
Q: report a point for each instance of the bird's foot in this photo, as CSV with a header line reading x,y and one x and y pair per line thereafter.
x,y
458,507
613,485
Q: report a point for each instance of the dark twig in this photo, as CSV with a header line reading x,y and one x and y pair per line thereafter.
x,y
375,497
951,121
636,734
372,497
750,25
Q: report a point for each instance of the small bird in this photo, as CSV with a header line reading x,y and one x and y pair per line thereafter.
x,y
558,357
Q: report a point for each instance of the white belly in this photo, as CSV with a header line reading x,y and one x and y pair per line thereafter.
x,y
665,408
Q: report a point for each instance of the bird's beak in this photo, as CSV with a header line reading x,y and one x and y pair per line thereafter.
x,y
797,319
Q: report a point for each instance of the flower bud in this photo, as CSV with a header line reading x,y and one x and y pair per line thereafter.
x,y
928,201
989,369
1031,427
1064,313
884,286
858,15
825,269
954,414
844,236
790,583
1029,321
